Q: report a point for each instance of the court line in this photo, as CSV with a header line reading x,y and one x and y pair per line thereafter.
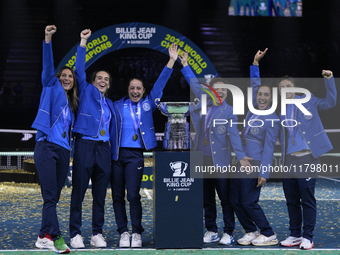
x,y
147,193
324,177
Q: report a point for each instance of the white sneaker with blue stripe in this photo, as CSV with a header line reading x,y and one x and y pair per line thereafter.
x,y
226,239
210,237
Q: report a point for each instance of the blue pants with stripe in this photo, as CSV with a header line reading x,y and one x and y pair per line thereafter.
x,y
299,189
244,198
52,163
222,186
127,172
92,160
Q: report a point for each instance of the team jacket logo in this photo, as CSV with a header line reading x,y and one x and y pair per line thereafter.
x,y
178,168
221,129
308,117
146,107
254,130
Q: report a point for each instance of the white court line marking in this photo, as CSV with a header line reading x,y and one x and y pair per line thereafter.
x,y
324,177
147,193
330,199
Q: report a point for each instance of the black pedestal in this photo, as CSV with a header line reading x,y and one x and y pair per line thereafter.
x,y
177,202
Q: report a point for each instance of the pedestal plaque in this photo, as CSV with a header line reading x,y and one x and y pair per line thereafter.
x,y
178,201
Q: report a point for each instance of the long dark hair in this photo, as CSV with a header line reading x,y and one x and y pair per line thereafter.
x,y
72,93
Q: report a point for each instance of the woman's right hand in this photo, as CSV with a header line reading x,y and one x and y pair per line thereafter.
x,y
85,34
184,58
49,31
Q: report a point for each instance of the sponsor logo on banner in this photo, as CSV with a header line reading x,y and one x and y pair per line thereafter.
x,y
140,35
134,35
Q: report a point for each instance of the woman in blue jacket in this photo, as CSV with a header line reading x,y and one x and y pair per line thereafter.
x,y
58,104
301,147
136,132
258,138
92,152
214,141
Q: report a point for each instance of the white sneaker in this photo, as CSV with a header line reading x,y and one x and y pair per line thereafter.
x,y
263,240
77,242
124,241
226,239
45,242
98,241
306,244
210,237
136,241
291,241
248,237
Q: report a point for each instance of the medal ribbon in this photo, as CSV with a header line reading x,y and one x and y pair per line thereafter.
x,y
103,122
290,122
135,120
65,114
207,123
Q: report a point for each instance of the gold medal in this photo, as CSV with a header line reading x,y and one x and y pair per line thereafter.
x,y
135,137
205,142
64,134
102,132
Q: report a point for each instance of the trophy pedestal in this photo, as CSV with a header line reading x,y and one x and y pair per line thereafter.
x,y
177,201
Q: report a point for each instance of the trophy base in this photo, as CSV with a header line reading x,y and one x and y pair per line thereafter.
x,y
164,149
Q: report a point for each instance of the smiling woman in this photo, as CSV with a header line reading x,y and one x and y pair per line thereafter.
x,y
54,122
135,132
92,128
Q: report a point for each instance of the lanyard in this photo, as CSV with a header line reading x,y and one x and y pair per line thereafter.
x,y
103,115
65,114
290,126
136,121
209,115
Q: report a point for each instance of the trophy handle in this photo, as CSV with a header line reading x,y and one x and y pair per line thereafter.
x,y
157,101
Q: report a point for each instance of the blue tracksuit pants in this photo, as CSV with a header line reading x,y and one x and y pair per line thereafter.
x,y
127,172
299,189
92,160
52,163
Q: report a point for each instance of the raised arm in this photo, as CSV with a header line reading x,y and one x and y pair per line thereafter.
x,y
190,76
173,54
48,71
157,90
80,60
255,81
330,100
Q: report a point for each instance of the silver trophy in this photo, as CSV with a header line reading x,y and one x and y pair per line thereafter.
x,y
177,132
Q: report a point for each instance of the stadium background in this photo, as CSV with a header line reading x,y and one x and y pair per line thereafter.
x,y
298,46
